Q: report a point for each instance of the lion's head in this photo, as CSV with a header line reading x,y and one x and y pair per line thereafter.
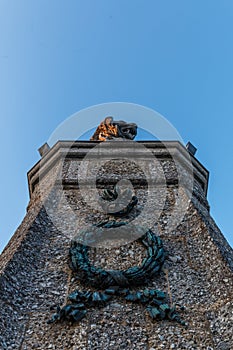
x,y
110,129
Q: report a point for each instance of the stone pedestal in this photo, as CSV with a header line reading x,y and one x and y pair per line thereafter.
x,y
35,271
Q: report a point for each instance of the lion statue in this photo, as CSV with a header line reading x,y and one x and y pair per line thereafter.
x,y
110,129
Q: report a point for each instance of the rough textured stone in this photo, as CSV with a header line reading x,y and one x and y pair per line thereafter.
x,y
36,277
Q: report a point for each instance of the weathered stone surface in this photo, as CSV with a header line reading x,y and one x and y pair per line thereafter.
x,y
35,272
118,326
221,320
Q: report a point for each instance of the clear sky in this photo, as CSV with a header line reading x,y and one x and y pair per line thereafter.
x,y
58,57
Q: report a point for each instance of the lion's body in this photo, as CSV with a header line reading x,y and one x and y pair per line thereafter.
x,y
110,130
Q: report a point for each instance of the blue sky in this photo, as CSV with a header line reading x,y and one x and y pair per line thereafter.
x,y
58,57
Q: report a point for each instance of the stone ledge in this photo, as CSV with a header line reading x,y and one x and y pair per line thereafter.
x,y
77,150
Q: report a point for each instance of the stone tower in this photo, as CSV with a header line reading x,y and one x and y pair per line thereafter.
x,y
197,274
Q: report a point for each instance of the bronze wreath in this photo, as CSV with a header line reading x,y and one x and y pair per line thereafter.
x,y
115,283
133,276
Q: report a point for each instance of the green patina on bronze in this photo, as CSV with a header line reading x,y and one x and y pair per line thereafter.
x,y
134,276
117,283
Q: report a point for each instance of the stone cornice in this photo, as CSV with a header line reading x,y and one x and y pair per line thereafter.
x,y
79,149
